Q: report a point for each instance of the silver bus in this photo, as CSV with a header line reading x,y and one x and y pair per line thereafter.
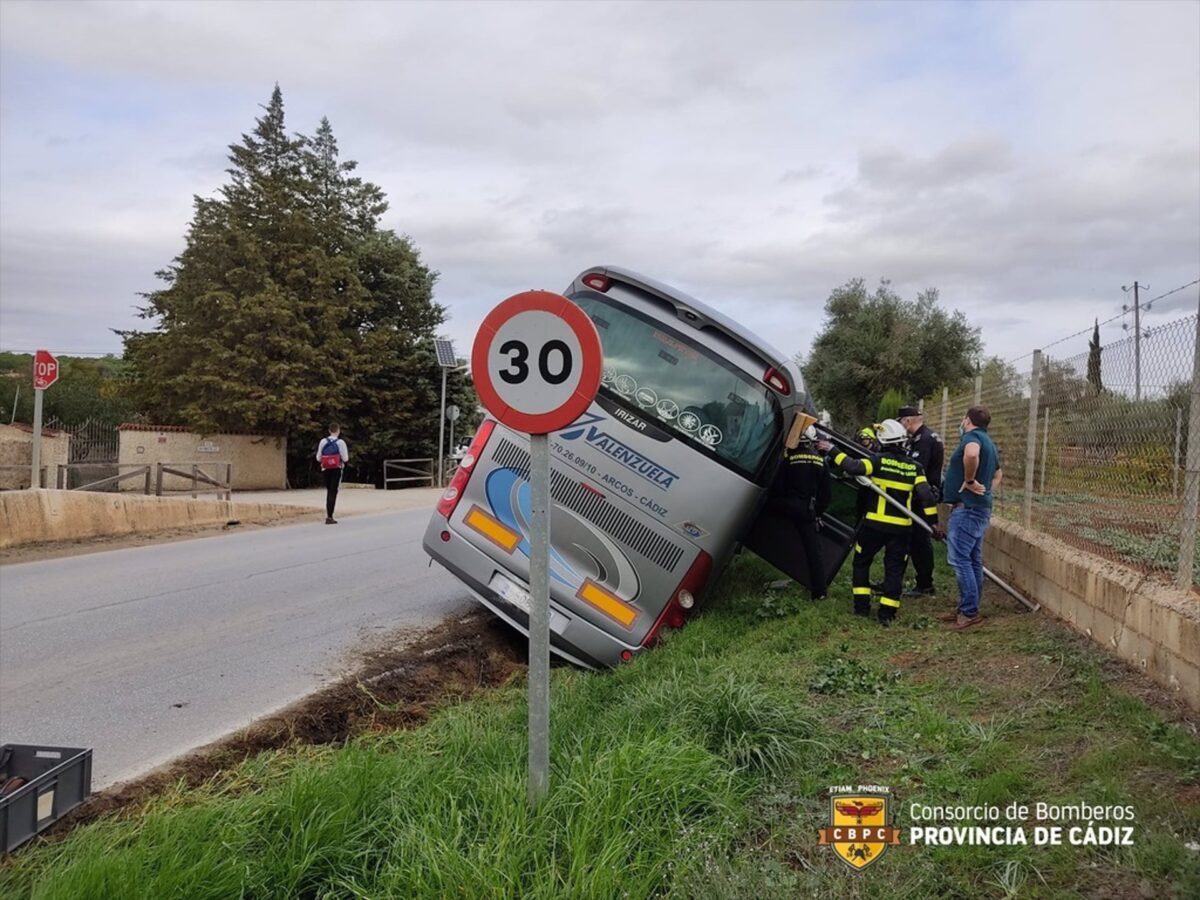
x,y
653,489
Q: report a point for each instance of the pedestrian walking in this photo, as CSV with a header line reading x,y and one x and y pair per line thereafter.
x,y
801,494
883,527
925,447
973,471
333,455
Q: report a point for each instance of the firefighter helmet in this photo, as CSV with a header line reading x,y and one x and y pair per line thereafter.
x,y
891,433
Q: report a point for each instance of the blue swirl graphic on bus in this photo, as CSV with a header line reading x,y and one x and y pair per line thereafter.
x,y
511,499
633,460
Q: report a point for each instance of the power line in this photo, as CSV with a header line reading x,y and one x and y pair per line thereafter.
x,y
1119,315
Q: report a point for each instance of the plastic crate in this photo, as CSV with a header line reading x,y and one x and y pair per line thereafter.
x,y
57,779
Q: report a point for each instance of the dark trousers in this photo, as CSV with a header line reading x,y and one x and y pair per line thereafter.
x,y
333,479
895,557
803,519
810,542
921,549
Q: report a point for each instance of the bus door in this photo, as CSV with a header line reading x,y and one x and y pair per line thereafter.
x,y
776,540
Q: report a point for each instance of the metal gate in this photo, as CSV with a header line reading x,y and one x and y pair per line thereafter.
x,y
93,453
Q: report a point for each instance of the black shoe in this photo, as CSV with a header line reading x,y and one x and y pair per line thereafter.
x,y
887,615
920,592
862,607
330,520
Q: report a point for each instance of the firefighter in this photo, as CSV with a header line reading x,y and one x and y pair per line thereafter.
x,y
926,448
801,494
868,439
884,527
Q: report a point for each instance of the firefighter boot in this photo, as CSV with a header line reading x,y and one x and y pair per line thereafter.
x,y
887,615
862,606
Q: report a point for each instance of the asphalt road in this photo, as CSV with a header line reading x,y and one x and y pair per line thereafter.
x,y
145,653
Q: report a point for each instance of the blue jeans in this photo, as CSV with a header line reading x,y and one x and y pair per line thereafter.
x,y
964,543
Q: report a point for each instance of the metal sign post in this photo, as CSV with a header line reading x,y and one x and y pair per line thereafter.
x,y
537,362
45,373
444,348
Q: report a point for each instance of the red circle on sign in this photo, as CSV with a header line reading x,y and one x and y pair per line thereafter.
x,y
591,364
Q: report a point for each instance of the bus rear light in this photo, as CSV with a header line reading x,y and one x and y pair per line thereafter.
x,y
462,474
774,378
626,655
445,536
597,282
492,529
675,613
608,603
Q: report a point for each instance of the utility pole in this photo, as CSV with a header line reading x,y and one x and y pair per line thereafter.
x,y
1137,337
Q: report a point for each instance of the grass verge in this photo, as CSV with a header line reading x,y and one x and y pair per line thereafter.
x,y
699,770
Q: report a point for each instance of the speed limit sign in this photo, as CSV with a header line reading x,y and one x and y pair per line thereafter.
x,y
537,362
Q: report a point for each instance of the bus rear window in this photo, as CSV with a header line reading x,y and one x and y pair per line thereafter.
x,y
703,399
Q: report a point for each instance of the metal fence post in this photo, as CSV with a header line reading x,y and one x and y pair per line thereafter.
x,y
147,481
978,390
1191,484
1176,462
1031,437
1045,450
158,481
921,406
945,408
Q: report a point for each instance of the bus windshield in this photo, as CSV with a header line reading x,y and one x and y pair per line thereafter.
x,y
702,399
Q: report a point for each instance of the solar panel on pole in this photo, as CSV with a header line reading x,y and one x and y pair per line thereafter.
x,y
444,348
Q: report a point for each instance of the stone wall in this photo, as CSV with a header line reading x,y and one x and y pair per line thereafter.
x,y
33,517
1149,624
259,461
16,449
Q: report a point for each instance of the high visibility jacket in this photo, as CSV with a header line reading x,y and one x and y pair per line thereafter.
x,y
803,481
902,479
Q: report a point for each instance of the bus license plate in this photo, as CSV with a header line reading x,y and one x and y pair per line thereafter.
x,y
515,595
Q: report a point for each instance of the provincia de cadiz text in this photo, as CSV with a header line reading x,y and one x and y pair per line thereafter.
x,y
1033,822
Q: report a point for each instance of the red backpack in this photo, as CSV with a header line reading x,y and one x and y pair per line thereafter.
x,y
331,454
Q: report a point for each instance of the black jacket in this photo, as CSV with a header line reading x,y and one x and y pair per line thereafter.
x,y
902,479
927,449
803,483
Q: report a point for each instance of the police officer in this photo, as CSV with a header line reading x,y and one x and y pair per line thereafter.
x,y
884,527
801,494
925,448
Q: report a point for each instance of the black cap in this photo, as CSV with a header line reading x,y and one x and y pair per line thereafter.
x,y
906,411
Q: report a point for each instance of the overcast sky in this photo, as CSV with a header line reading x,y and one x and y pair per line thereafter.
x,y
1027,159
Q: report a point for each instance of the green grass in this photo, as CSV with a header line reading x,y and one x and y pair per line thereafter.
x,y
698,770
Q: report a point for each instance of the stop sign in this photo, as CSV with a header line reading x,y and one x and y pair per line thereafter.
x,y
45,370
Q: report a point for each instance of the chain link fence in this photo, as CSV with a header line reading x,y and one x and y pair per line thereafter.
x,y
1095,449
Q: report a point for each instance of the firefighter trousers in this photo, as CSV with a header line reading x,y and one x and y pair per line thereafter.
x,y
895,557
921,548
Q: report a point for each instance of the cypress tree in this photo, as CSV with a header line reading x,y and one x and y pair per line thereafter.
x,y
289,306
1093,363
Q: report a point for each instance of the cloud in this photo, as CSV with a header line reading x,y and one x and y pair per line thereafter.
x,y
1016,156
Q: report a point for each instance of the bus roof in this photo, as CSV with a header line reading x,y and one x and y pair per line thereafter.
x,y
704,313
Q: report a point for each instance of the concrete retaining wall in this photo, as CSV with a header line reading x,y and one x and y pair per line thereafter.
x,y
31,517
259,461
1151,625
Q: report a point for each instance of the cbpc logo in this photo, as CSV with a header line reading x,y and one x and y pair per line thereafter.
x,y
859,829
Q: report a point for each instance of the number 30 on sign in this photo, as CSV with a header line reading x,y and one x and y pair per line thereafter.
x,y
537,362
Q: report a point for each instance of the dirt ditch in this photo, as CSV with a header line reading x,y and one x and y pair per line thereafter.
x,y
392,689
